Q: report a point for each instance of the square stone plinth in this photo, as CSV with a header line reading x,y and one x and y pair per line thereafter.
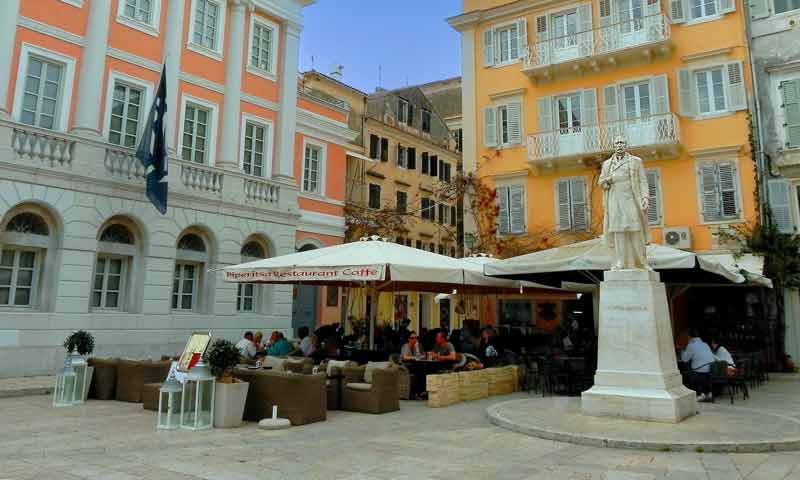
x,y
637,375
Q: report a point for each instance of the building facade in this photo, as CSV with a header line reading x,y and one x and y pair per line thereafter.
x,y
774,28
251,164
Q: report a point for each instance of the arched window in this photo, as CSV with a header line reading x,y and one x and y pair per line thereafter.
x,y
25,241
115,253
191,259
250,296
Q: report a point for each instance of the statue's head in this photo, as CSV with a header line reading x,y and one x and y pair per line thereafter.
x,y
620,144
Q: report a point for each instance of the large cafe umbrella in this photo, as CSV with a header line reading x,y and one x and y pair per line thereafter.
x,y
374,263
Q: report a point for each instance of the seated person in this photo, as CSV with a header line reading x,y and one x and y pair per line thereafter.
x,y
411,350
247,348
307,344
258,341
442,349
488,349
699,357
722,353
279,346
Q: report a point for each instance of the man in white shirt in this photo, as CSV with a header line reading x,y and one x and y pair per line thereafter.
x,y
699,357
722,353
306,341
246,347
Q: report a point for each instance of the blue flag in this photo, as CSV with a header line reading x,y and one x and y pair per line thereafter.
x,y
152,150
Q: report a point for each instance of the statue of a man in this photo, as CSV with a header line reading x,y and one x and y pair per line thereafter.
x,y
625,198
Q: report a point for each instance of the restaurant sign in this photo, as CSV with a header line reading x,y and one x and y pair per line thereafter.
x,y
359,273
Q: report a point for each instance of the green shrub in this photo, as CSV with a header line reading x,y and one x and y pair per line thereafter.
x,y
82,341
222,356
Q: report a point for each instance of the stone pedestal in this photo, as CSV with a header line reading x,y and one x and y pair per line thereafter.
x,y
637,375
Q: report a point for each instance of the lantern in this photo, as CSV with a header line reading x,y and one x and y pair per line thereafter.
x,y
64,393
169,414
197,398
79,366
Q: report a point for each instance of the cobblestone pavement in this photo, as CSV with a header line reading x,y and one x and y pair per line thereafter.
x,y
22,386
115,441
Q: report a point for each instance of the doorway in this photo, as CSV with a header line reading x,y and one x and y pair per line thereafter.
x,y
304,303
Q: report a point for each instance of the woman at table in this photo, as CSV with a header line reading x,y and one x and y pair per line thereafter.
x,y
411,350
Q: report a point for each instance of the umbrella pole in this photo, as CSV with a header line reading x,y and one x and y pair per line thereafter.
x,y
373,314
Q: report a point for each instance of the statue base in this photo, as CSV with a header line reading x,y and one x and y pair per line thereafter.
x,y
637,373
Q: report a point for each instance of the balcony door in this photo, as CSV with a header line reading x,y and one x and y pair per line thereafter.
x,y
636,111
570,133
631,23
565,36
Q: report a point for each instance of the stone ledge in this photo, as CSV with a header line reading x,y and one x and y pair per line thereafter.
x,y
716,428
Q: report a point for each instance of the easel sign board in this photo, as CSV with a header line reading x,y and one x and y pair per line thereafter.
x,y
194,350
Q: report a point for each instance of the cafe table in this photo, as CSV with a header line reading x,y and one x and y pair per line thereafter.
x,y
421,368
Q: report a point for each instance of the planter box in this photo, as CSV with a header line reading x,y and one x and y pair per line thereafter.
x,y
229,401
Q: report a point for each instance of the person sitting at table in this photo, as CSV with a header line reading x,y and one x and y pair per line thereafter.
x,y
489,349
442,349
722,353
279,346
258,341
246,347
411,350
307,346
699,357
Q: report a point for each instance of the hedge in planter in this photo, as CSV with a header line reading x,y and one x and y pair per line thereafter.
x,y
222,356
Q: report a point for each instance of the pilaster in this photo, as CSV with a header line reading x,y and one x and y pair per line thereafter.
x,y
93,64
9,11
287,117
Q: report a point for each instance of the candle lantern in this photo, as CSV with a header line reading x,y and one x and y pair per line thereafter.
x,y
197,398
169,413
64,393
80,367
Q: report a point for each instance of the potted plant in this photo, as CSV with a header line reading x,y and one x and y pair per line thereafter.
x,y
230,393
78,345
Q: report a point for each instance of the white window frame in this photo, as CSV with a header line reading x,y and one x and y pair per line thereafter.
x,y
66,94
37,271
113,78
402,160
272,73
705,18
240,297
216,52
212,127
506,101
323,147
699,189
123,283
269,125
402,110
776,97
150,28
74,3
790,12
521,182
495,35
198,266
708,72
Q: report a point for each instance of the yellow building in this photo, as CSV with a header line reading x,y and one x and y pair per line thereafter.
x,y
547,85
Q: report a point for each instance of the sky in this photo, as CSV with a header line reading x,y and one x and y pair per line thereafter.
x,y
408,39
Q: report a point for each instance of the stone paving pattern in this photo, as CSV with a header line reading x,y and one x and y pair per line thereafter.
x,y
118,441
747,426
23,386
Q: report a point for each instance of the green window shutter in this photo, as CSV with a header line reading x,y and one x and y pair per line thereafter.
x,y
727,6
489,127
729,198
790,90
679,11
563,213
577,194
522,37
654,196
503,221
514,111
488,48
686,94
517,207
758,8
660,88
709,192
610,105
780,195
737,98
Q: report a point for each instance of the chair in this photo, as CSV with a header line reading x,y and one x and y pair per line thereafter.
x,y
104,380
403,378
371,389
719,379
334,383
300,398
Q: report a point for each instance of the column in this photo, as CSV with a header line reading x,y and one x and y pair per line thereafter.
x,y
9,9
229,146
92,74
287,117
172,57
468,120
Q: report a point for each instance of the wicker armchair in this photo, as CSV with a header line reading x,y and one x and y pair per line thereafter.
x,y
371,390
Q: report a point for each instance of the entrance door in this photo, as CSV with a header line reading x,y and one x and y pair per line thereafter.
x,y
631,24
570,135
565,39
304,304
640,127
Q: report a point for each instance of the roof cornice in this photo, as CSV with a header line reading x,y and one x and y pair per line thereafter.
x,y
469,20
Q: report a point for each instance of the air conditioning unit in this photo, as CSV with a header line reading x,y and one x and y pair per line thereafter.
x,y
678,237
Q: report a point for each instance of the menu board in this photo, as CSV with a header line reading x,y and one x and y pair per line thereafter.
x,y
194,350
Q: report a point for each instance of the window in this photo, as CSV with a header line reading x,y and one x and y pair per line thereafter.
x,y
195,142
426,120
425,164
786,5
565,28
790,93
184,285
428,210
453,252
374,147
206,27
256,149
507,43
411,158
28,223
408,242
401,156
191,256
418,244
402,202
703,8
444,171
312,168
502,125
568,109
108,282
374,196
384,149
405,111
453,220
444,214
719,191
125,117
780,204
432,247
458,135
440,249
572,207
263,38
18,272
511,214
433,167
247,293
710,91
142,15
636,101
43,83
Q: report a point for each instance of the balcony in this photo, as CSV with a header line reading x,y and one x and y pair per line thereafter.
x,y
57,154
639,39
652,137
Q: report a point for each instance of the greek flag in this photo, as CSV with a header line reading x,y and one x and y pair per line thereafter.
x,y
152,151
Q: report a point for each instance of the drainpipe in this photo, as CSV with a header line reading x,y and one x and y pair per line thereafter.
x,y
756,119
